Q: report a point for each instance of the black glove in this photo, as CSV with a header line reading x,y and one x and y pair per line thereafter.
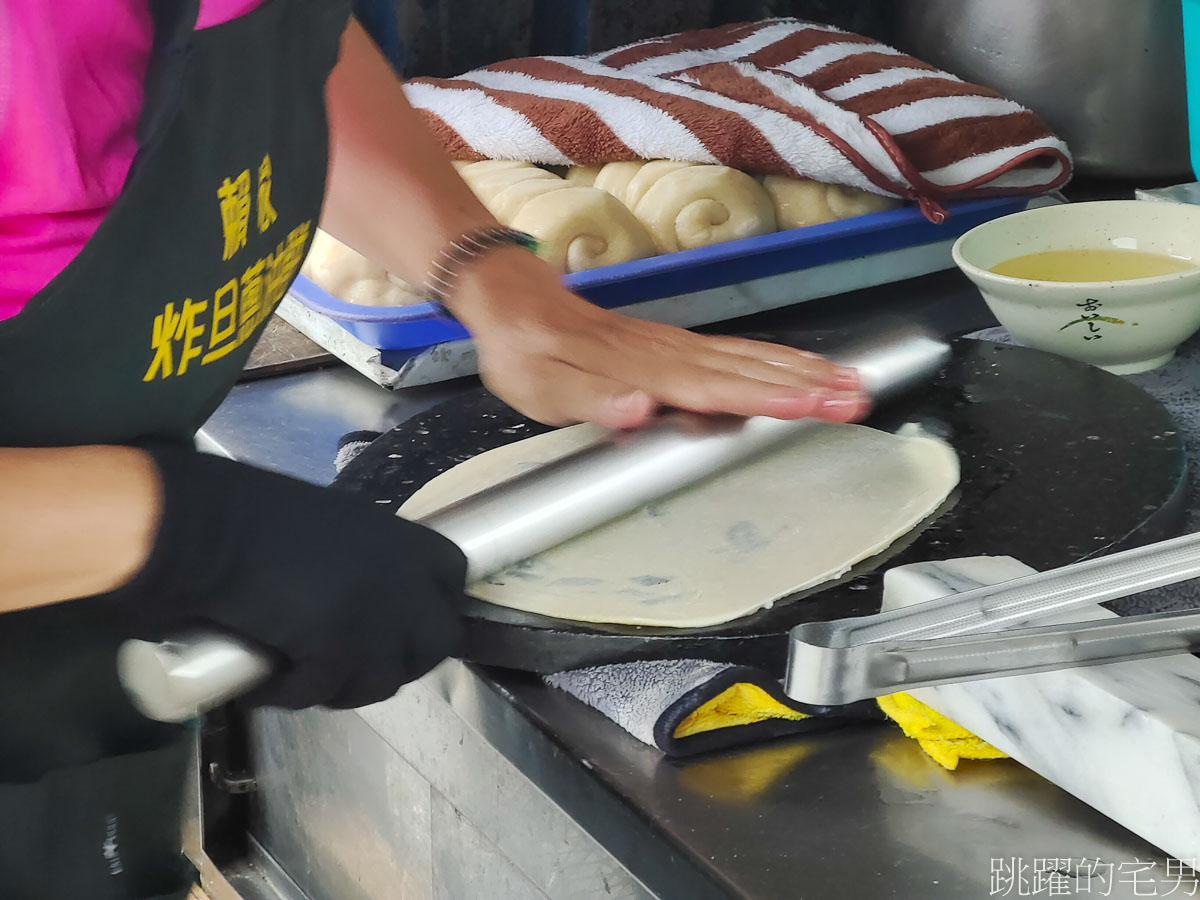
x,y
352,601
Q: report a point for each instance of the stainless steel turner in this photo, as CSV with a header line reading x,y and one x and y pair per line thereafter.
x,y
987,632
495,528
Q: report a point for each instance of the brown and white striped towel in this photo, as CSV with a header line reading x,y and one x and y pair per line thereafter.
x,y
781,97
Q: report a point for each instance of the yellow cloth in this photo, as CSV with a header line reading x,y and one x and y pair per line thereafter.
x,y
738,704
945,741
744,704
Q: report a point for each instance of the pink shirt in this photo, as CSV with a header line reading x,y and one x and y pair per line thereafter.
x,y
71,76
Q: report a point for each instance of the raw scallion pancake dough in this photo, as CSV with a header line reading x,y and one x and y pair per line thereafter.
x,y
798,517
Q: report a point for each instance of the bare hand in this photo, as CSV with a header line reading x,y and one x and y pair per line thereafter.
x,y
559,360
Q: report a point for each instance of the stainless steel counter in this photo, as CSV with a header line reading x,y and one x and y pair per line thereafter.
x,y
486,784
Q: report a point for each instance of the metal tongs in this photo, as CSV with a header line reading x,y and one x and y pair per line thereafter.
x,y
971,636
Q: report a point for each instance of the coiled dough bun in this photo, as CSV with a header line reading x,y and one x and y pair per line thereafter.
x,y
629,181
484,167
488,178
615,177
583,176
506,204
580,228
348,275
336,268
386,292
800,202
647,176
698,206
847,202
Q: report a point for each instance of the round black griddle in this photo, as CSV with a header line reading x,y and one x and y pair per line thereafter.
x,y
1060,461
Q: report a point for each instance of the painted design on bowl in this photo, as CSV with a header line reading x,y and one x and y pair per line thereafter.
x,y
1092,319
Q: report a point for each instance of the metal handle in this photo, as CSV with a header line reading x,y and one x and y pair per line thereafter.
x,y
540,509
884,667
1021,600
171,681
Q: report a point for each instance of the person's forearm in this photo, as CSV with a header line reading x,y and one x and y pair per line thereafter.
x,y
74,521
392,193
395,198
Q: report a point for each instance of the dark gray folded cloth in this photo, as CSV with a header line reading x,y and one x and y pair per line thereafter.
x,y
689,706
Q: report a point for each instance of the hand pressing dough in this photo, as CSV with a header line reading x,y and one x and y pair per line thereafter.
x,y
580,228
698,206
795,519
800,202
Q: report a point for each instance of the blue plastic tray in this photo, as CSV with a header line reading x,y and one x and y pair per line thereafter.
x,y
411,327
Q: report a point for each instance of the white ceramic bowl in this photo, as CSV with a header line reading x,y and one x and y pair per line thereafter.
x,y
1122,326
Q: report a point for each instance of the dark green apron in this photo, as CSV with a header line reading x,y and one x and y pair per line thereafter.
x,y
142,335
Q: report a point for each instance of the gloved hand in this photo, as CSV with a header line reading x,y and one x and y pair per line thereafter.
x,y
352,601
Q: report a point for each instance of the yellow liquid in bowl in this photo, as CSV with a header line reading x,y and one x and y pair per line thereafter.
x,y
1091,265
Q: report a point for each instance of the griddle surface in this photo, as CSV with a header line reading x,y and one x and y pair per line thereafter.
x,y
1060,461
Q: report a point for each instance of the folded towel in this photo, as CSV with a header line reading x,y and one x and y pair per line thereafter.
x,y
689,706
777,97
